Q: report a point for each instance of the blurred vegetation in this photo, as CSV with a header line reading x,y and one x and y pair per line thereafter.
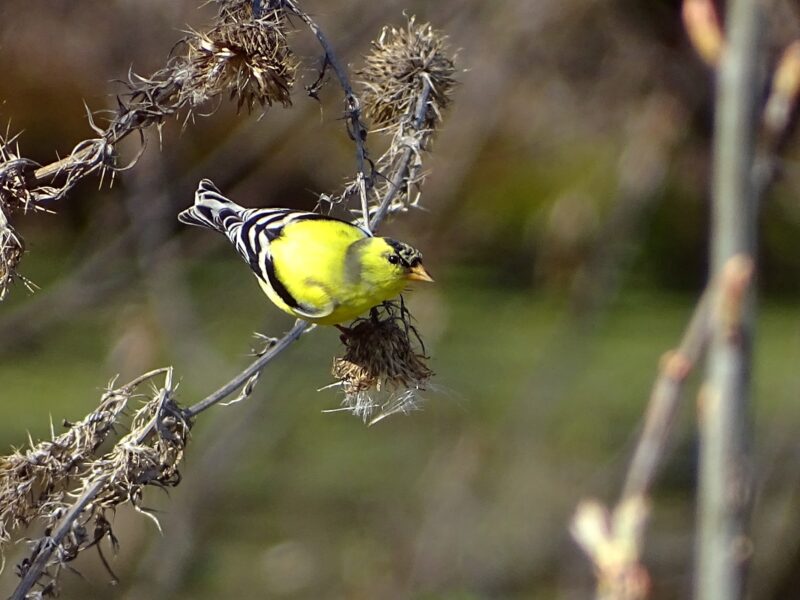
x,y
565,226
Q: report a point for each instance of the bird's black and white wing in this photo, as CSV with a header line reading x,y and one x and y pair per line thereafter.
x,y
250,230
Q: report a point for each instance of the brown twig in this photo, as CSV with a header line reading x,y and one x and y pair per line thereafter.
x,y
665,398
613,539
403,172
721,321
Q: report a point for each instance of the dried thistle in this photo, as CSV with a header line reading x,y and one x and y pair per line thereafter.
x,y
381,358
407,81
401,61
39,483
11,249
148,455
247,57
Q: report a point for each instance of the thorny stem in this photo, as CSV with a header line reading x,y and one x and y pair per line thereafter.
x,y
300,327
403,167
48,172
48,544
356,128
141,378
125,124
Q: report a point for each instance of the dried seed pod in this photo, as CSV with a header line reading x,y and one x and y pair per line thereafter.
x,y
396,70
381,359
249,58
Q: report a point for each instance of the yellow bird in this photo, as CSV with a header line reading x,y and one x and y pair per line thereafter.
x,y
314,267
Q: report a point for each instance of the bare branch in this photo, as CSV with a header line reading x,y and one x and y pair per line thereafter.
x,y
724,490
665,398
352,110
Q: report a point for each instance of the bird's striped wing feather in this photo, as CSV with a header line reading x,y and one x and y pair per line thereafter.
x,y
252,231
258,229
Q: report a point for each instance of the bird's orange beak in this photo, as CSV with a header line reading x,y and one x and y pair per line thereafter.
x,y
418,273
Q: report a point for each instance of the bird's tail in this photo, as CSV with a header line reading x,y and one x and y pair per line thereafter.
x,y
211,209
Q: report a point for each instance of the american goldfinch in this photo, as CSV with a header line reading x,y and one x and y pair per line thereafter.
x,y
315,267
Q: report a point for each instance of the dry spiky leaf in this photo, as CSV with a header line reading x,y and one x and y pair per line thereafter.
x,y
11,250
14,197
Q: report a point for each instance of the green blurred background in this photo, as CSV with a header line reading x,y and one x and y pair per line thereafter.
x,y
565,222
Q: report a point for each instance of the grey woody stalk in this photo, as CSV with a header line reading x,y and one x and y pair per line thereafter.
x,y
724,421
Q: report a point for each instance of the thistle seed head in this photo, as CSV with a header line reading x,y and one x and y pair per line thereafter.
x,y
249,58
402,59
380,359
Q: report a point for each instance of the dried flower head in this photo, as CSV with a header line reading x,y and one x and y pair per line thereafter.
x,y
381,358
247,57
144,457
396,70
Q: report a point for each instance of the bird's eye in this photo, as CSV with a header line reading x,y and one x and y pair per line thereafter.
x,y
394,259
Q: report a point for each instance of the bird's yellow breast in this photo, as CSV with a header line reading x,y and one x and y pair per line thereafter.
x,y
310,261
